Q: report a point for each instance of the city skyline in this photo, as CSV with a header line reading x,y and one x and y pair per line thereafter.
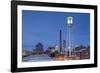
x,y
44,27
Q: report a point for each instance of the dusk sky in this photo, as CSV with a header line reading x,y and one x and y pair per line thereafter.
x,y
44,27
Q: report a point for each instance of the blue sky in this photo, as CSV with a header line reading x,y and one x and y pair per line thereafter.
x,y
44,27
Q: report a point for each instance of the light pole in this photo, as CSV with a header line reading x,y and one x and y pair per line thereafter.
x,y
69,25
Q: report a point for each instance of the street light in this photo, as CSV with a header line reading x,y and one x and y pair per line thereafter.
x,y
69,25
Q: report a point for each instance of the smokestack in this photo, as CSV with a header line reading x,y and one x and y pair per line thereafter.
x,y
60,41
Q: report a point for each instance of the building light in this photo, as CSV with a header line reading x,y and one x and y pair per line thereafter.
x,y
69,21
